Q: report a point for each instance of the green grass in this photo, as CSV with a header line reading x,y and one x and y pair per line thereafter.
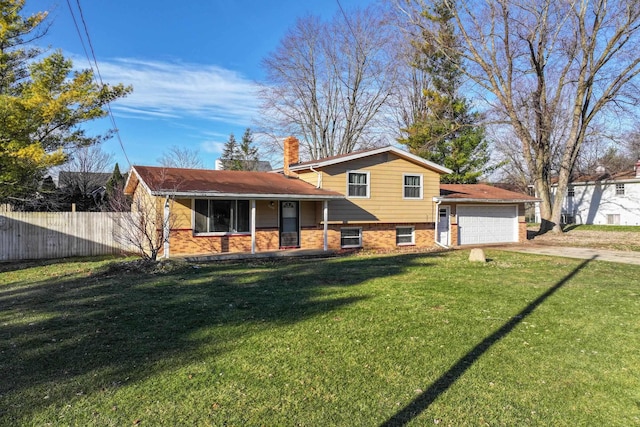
x,y
359,340
594,227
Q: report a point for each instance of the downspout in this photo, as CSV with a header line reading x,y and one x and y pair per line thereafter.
x,y
319,185
435,236
165,228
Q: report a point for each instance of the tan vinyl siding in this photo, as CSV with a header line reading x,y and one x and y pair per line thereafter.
x,y
311,177
266,215
385,202
181,210
308,216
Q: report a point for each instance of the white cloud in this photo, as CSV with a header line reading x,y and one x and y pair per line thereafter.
x,y
212,147
173,90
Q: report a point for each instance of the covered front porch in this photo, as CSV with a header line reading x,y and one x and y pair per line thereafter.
x,y
210,226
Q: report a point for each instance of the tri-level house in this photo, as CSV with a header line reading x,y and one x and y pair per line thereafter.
x,y
378,198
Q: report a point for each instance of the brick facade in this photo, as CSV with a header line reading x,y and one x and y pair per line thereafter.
x,y
522,232
183,242
374,236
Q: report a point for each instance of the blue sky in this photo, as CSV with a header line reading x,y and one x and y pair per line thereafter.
x,y
193,64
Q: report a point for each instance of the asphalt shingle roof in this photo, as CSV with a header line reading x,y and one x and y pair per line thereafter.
x,y
162,180
481,192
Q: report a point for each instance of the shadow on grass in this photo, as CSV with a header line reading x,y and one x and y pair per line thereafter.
x,y
446,380
8,266
69,336
570,227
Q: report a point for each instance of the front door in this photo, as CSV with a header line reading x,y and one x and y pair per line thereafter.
x,y
443,225
289,225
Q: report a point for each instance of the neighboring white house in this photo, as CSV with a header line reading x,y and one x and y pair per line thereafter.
x,y
610,199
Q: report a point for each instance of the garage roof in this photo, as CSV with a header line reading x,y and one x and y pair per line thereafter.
x,y
481,193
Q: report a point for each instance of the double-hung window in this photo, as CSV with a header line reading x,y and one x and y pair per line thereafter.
x,y
571,191
619,189
358,184
221,216
412,186
405,236
351,237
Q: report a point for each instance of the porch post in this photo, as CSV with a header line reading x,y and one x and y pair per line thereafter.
x,y
325,209
253,226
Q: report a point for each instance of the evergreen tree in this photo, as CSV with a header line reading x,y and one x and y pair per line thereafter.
x,y
42,103
114,193
115,183
231,155
446,132
247,152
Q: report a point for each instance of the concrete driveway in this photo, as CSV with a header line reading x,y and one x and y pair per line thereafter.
x,y
625,257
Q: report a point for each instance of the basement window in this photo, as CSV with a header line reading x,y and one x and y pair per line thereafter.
x,y
351,237
405,236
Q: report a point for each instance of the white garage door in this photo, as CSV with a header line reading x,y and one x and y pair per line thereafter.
x,y
487,224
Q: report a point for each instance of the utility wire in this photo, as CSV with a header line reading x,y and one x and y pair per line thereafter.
x,y
97,69
353,33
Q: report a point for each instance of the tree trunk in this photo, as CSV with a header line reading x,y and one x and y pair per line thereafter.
x,y
544,193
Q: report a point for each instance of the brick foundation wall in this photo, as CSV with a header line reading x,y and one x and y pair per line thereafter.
x,y
522,232
453,229
374,236
383,236
183,242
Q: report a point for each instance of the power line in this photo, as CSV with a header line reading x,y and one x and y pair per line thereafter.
x,y
97,69
353,33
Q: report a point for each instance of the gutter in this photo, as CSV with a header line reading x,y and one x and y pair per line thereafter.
x,y
247,196
468,200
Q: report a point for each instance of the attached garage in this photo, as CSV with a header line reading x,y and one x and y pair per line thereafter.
x,y
478,214
487,224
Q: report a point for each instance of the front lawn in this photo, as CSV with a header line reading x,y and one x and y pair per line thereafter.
x,y
358,340
597,227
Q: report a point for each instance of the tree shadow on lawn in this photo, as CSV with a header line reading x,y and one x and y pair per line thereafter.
x,y
62,337
8,266
446,380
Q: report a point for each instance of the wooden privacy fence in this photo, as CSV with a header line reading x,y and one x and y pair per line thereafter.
x,y
41,235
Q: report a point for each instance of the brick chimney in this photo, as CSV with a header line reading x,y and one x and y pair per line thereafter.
x,y
637,168
291,154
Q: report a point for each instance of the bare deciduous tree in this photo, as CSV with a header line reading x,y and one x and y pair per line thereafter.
x,y
181,157
152,218
537,61
328,82
146,228
87,163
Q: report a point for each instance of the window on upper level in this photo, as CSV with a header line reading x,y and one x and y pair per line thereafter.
x,y
571,191
619,189
412,186
358,184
